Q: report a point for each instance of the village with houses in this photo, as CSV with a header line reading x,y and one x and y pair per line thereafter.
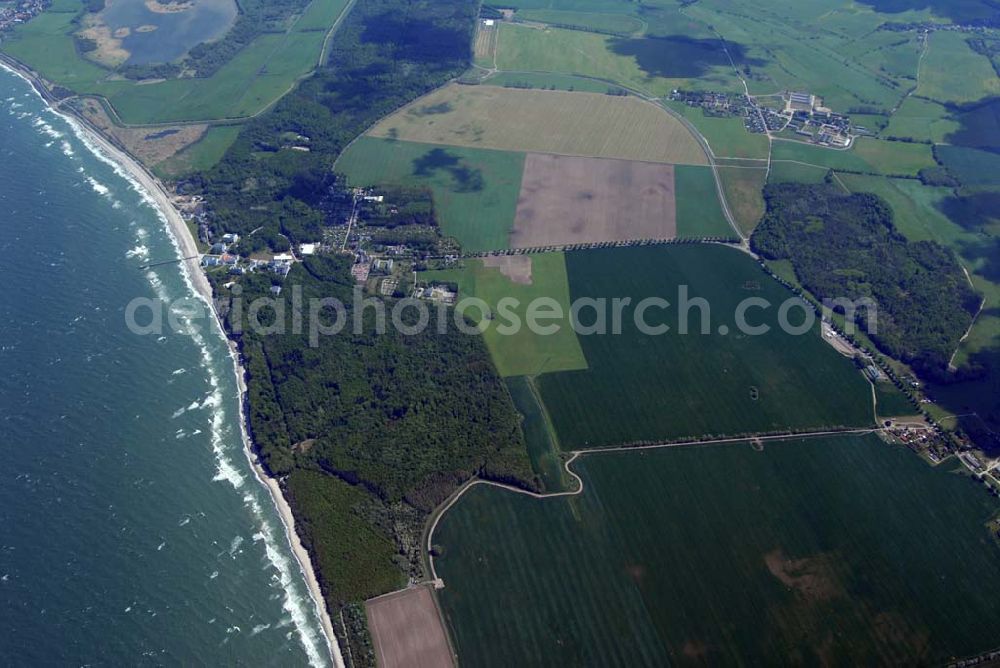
x,y
793,115
15,13
380,266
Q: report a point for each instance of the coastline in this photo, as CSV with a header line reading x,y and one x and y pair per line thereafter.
x,y
187,248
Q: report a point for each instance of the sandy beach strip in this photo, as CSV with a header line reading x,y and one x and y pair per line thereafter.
x,y
188,248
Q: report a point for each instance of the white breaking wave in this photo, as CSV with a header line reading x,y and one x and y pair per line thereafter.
x,y
138,251
294,604
98,187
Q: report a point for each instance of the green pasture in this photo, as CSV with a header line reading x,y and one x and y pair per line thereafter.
x,y
201,155
615,23
921,120
727,136
867,155
475,190
952,72
518,351
532,49
699,213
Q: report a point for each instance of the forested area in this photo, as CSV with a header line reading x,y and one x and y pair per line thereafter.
x,y
385,54
846,246
394,422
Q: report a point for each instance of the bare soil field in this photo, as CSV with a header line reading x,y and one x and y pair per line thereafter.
x,y
407,630
545,121
515,267
569,200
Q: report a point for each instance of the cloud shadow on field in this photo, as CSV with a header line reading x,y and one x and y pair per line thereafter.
x,y
961,11
681,57
464,178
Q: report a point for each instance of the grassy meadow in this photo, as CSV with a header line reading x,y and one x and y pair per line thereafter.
x,y
523,352
699,212
838,550
652,65
867,155
742,187
640,387
475,190
952,72
726,136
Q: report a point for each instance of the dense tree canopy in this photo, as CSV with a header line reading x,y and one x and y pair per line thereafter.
x,y
847,246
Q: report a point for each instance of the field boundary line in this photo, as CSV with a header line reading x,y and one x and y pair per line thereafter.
x,y
575,454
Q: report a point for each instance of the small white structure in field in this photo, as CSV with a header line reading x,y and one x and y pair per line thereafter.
x,y
308,249
488,22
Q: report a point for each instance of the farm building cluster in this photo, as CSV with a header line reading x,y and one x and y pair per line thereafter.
x,y
799,112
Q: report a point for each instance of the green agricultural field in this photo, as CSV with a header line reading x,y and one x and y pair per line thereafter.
x,y
652,65
727,136
743,187
793,172
475,190
840,550
921,120
867,155
891,402
543,121
971,166
520,352
255,78
203,154
615,23
641,387
699,213
952,72
806,45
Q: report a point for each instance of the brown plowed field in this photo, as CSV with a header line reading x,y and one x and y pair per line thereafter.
x,y
407,630
570,200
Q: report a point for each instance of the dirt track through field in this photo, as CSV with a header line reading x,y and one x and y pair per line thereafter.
x,y
571,200
407,630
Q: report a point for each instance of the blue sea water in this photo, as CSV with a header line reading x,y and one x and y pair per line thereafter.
x,y
132,528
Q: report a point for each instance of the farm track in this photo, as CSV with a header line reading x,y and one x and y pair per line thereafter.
x,y
575,454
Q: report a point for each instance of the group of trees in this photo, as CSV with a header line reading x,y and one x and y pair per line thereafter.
x,y
846,246
389,420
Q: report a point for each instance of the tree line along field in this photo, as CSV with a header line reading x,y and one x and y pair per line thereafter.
x,y
256,77
672,386
833,563
559,122
522,277
475,190
482,196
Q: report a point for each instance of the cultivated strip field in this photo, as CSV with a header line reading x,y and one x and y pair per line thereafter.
x,y
561,122
406,630
667,385
838,550
570,200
